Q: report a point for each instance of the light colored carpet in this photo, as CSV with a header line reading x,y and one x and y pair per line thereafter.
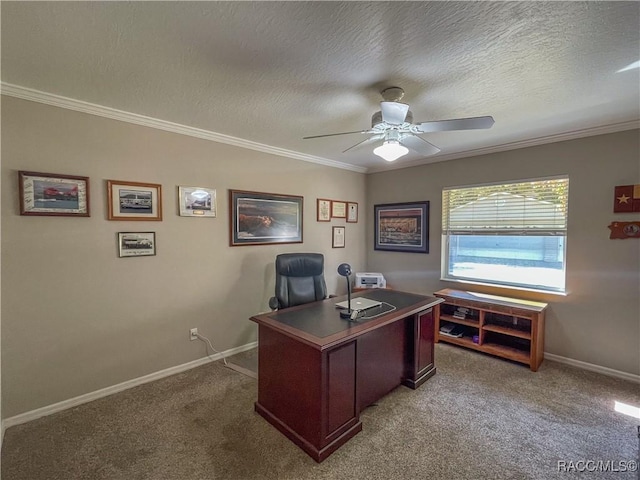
x,y
477,418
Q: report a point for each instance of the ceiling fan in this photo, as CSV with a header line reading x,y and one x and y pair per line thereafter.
x,y
393,126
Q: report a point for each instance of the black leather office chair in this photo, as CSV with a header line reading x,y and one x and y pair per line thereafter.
x,y
299,279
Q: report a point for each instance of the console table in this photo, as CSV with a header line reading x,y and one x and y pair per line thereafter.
x,y
318,371
502,326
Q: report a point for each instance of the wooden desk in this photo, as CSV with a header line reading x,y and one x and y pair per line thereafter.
x,y
317,371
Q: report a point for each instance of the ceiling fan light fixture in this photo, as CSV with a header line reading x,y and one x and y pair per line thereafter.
x,y
391,150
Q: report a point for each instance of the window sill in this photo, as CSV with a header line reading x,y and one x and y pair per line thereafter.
x,y
507,289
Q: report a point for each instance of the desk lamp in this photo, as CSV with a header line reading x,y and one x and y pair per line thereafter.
x,y
344,269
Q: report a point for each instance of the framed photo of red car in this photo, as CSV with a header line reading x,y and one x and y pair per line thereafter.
x,y
259,218
53,194
134,200
402,227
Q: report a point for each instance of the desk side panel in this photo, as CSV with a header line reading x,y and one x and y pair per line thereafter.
x,y
288,383
420,361
341,391
380,362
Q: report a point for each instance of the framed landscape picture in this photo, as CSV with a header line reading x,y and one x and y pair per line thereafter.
x,y
136,244
402,227
197,202
53,194
134,200
264,218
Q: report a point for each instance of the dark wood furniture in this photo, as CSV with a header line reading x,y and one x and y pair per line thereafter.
x,y
317,371
505,327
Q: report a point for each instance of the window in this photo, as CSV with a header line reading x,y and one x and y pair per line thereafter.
x,y
506,234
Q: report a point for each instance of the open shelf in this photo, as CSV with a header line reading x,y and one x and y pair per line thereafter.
x,y
506,352
462,341
460,321
507,331
506,327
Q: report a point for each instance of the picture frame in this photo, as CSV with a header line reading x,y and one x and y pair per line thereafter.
x,y
258,218
323,209
402,227
338,209
352,212
626,199
338,240
134,201
196,202
136,244
52,194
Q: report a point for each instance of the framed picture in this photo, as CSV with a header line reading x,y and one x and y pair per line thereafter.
x,y
324,210
53,194
136,244
352,212
627,199
197,202
264,218
402,227
134,200
338,237
338,209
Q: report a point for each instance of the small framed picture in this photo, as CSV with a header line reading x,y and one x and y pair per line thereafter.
x,y
54,195
352,212
338,209
136,244
197,202
324,210
338,237
134,200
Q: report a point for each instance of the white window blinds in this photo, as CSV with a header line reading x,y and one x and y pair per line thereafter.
x,y
536,207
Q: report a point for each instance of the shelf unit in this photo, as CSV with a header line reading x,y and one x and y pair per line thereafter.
x,y
505,327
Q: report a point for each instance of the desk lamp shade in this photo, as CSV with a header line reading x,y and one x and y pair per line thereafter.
x,y
344,269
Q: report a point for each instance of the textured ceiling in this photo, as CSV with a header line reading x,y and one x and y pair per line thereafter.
x,y
274,72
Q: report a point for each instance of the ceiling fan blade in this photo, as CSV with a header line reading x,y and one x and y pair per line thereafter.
x,y
419,145
368,141
394,113
334,134
472,123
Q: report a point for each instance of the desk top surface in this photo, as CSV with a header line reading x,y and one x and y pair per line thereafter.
x,y
320,324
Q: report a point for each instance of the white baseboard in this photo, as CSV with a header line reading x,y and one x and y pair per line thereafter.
x,y
593,368
88,397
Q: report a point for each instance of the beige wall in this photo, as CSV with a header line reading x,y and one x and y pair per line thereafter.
x,y
598,322
75,317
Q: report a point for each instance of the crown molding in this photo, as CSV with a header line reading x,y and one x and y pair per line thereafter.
x,y
532,142
114,114
134,118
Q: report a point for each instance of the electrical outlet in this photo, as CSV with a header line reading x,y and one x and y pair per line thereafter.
x,y
193,334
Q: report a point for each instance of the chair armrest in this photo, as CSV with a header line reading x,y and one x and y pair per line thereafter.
x,y
273,303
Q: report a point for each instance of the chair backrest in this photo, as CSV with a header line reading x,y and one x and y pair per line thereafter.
x,y
299,278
